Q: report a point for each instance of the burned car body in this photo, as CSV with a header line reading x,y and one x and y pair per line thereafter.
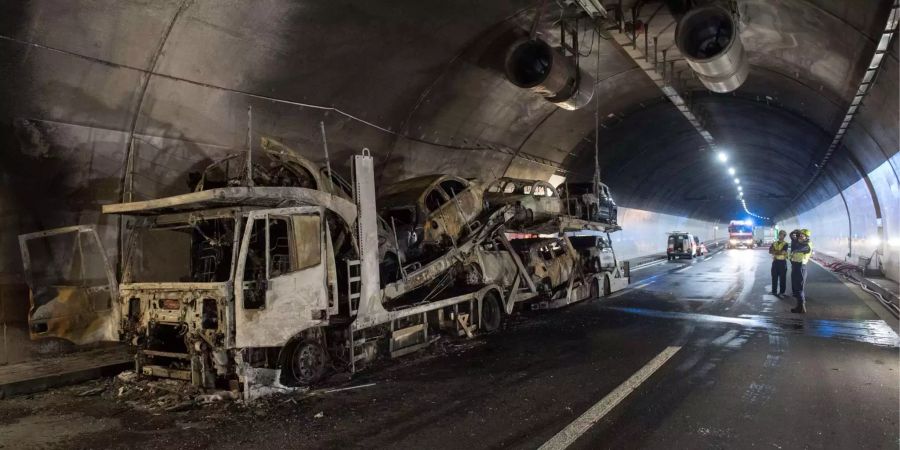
x,y
534,201
73,290
550,262
595,252
430,213
274,165
589,201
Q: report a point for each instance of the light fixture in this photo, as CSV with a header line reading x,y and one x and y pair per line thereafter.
x,y
731,170
722,157
740,188
737,181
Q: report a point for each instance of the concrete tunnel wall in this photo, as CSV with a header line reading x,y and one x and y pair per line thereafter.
x,y
846,226
644,232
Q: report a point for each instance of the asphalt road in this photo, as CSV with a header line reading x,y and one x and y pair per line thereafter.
x,y
742,372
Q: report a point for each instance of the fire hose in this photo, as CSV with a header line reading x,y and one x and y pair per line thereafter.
x,y
852,273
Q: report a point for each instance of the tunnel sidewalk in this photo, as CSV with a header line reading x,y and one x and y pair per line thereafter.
x,y
41,374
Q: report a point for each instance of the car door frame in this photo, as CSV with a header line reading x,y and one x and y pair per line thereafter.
x,y
105,325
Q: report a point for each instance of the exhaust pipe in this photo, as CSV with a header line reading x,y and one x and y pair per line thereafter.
x,y
709,40
532,64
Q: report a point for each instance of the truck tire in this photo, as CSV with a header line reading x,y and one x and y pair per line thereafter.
x,y
595,290
307,363
491,312
606,289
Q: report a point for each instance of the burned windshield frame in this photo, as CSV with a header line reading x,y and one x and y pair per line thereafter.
x,y
221,244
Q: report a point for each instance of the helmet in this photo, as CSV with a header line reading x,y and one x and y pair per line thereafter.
x,y
805,232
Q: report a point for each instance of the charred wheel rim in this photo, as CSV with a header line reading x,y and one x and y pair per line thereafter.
x,y
308,362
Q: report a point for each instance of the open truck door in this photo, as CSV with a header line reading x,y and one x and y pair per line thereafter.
x,y
73,290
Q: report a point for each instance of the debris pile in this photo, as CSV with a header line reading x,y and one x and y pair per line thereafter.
x,y
154,395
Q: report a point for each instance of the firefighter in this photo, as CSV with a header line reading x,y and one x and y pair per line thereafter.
x,y
779,252
801,250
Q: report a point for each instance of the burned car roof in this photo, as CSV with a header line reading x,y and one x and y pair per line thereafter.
x,y
407,192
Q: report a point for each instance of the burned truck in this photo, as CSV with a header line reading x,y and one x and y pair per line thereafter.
x,y
255,285
263,287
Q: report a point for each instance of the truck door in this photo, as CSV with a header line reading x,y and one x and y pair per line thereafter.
x,y
73,290
280,284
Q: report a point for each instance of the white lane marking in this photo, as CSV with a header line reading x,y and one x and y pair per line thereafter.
x,y
721,340
574,430
646,266
685,268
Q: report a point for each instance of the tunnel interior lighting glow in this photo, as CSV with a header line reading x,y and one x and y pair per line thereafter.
x,y
722,156
737,181
731,170
740,188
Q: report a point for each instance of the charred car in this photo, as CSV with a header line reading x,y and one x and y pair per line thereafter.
x,y
589,201
551,262
595,252
534,201
430,213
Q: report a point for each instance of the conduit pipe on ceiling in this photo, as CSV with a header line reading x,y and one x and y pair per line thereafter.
x,y
709,40
532,64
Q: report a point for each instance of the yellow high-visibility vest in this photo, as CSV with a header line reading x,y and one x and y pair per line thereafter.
x,y
780,253
802,257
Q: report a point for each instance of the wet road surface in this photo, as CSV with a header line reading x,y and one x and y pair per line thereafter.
x,y
745,373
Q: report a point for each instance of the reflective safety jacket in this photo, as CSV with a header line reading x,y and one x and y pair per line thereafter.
x,y
779,250
800,253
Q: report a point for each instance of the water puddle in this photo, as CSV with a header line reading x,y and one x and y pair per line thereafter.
x,y
875,332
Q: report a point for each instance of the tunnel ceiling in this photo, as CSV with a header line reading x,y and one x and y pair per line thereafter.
x,y
419,83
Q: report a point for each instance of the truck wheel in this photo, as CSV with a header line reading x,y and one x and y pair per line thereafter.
x,y
307,362
491,314
606,288
595,290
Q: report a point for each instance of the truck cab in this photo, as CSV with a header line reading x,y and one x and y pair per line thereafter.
x,y
740,234
210,280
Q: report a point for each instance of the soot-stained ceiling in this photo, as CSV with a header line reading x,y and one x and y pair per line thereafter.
x,y
420,83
